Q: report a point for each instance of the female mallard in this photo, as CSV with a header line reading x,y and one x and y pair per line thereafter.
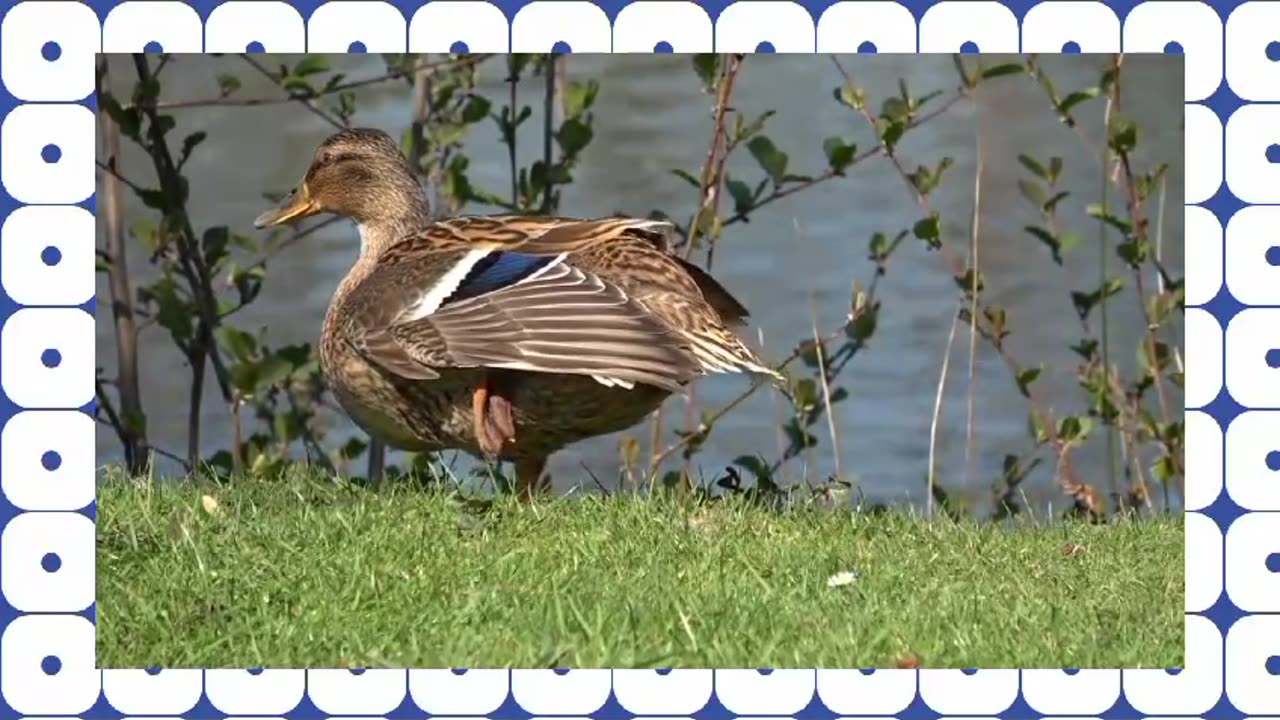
x,y
507,337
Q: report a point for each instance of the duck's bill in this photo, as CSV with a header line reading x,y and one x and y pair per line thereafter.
x,y
295,207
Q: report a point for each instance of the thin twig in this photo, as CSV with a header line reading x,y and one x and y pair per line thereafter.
x,y
305,101
971,389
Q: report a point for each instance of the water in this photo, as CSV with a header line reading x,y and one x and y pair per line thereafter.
x,y
651,116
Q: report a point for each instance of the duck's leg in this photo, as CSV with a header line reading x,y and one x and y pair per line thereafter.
x,y
491,418
529,476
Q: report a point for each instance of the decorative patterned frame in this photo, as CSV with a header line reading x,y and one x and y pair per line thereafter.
x,y
1233,419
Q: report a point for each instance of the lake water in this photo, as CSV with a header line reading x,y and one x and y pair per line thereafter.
x,y
651,116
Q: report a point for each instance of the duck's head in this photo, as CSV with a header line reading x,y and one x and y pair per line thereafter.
x,y
357,173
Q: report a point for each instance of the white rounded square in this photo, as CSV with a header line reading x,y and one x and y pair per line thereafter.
x,y
683,25
743,26
1253,460
673,692
48,461
336,25
1048,26
557,692
47,255
956,692
48,356
1253,132
1251,35
582,25
233,25
1253,684
1253,586
1204,255
48,663
844,26
47,153
1083,692
852,692
1202,140
1253,346
1150,26
1191,692
134,24
47,51
152,691
459,692
1202,561
364,692
436,26
1203,340
263,692
753,692
1203,459
947,26
1252,277
48,562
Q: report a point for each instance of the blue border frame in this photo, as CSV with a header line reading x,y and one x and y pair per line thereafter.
x,y
1221,636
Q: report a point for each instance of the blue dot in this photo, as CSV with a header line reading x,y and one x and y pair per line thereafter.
x,y
969,671
51,358
765,671
561,47
1273,665
1273,255
458,671
1273,51
866,47
52,255
663,47
1273,461
51,562
867,671
51,460
1273,153
764,47
153,670
356,47
255,47
1071,47
52,51
1173,47
51,153
254,671
356,671
51,665
1273,562
152,47
1173,671
1273,358
969,47
560,671
459,47
663,671
1071,670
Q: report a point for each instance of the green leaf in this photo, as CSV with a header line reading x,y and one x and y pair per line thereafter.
x,y
310,65
1033,192
1077,97
228,84
850,96
190,142
743,200
1025,377
1124,135
239,343
1072,428
1050,240
1096,210
707,65
1034,166
476,109
1055,169
1005,69
928,229
770,158
273,369
578,96
686,176
839,154
573,136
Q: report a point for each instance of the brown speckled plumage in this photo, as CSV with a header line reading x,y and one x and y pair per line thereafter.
x,y
603,325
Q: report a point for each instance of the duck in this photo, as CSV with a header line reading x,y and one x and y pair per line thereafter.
x,y
507,337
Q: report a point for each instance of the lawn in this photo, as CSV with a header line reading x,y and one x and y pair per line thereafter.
x,y
320,573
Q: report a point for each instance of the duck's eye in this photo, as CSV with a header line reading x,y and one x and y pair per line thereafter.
x,y
325,157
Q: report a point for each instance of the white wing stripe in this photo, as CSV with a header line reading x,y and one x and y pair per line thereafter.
x,y
444,287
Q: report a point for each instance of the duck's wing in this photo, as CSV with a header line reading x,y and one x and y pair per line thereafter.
x,y
500,293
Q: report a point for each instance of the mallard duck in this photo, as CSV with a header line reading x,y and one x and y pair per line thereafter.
x,y
505,336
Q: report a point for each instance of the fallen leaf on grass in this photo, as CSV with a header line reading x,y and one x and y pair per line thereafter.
x,y
1072,549
907,661
210,504
842,578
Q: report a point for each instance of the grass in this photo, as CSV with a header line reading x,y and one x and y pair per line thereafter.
x,y
326,574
